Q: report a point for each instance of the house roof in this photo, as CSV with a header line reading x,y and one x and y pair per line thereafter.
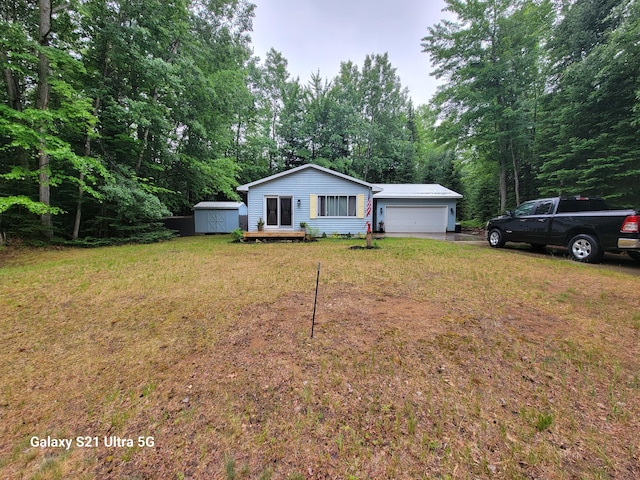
x,y
218,205
414,190
247,186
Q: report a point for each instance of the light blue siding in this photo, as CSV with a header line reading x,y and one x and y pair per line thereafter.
x,y
300,185
382,203
216,221
218,217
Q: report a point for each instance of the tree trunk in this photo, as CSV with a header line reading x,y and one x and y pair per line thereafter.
x,y
13,92
516,173
87,153
42,102
503,185
145,134
76,223
14,101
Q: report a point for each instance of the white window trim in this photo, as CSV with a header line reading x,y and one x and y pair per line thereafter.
x,y
325,195
279,226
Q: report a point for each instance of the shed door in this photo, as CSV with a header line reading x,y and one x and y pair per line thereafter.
x,y
416,219
215,221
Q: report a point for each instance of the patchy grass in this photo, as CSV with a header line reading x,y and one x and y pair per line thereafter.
x,y
429,360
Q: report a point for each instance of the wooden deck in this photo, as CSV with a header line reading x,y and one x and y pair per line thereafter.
x,y
274,235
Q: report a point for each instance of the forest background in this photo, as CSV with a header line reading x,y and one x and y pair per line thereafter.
x,y
116,113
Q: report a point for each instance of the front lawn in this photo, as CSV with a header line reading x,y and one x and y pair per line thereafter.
x,y
193,359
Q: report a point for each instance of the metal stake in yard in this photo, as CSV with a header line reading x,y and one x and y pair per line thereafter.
x,y
315,301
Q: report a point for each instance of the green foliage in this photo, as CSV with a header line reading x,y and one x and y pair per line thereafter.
x,y
237,235
126,211
152,88
473,224
31,206
592,144
482,200
312,233
549,107
154,106
156,233
358,124
493,62
130,202
543,421
382,147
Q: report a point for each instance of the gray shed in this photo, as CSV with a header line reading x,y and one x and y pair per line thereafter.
x,y
218,217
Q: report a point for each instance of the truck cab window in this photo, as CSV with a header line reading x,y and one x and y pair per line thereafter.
x,y
544,208
524,209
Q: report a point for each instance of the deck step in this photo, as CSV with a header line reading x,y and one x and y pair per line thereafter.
x,y
275,235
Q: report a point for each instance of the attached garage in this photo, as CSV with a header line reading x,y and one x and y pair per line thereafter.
x,y
415,208
414,219
218,217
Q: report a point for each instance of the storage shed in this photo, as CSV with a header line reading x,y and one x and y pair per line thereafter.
x,y
218,217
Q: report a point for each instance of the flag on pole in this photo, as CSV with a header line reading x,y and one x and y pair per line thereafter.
x,y
367,213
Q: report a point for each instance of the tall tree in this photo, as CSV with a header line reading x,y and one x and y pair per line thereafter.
x,y
320,110
170,85
590,123
359,123
42,103
275,78
44,110
164,84
378,109
492,63
294,141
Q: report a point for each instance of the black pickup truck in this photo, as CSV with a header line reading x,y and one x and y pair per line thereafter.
x,y
585,226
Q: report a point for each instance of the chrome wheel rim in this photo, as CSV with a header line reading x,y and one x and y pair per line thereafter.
x,y
581,249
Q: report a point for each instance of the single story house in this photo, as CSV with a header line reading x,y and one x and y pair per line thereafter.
x,y
332,202
326,200
218,217
416,208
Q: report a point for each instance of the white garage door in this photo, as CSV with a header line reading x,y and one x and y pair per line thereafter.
x,y
416,219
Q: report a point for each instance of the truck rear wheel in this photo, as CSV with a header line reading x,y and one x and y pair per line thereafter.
x,y
585,248
635,255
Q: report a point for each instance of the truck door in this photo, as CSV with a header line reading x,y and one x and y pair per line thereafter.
x,y
535,227
516,226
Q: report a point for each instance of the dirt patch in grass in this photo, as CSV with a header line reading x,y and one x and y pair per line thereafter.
x,y
389,387
416,369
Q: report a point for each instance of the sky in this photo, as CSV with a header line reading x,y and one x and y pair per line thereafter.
x,y
317,35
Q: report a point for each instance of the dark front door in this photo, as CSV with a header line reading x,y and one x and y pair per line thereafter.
x,y
272,211
279,211
286,215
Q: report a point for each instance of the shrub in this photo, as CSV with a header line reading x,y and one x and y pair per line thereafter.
x,y
237,235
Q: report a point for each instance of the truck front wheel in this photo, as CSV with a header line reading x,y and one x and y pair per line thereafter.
x,y
585,248
496,238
